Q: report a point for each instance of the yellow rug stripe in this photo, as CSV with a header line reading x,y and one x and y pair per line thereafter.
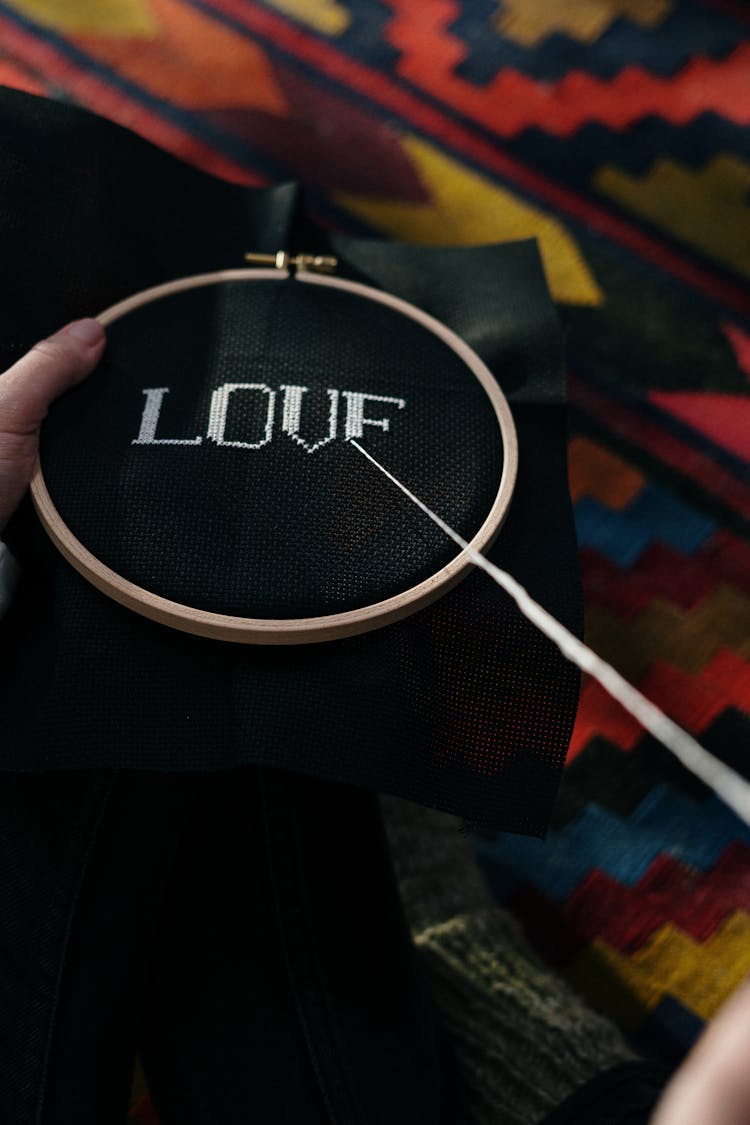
x,y
686,639
99,17
700,975
325,16
467,209
708,208
529,22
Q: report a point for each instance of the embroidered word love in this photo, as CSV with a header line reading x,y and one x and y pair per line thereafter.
x,y
291,413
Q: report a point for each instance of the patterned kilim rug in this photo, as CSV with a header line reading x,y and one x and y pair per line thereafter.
x,y
615,132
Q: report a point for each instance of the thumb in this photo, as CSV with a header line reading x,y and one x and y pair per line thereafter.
x,y
51,367
26,391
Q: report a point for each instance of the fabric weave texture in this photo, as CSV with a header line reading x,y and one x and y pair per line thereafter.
x,y
463,705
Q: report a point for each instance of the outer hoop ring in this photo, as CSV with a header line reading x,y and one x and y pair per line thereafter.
x,y
299,630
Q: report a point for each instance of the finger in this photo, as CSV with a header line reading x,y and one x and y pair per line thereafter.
x,y
51,367
713,1084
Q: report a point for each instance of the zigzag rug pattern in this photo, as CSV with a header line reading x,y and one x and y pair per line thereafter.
x,y
645,874
616,135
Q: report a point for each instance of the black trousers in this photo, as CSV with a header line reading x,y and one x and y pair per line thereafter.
x,y
241,930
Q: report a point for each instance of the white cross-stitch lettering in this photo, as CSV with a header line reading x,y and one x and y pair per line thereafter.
x,y
217,415
291,416
150,420
290,422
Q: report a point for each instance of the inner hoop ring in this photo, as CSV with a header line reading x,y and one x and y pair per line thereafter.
x,y
298,630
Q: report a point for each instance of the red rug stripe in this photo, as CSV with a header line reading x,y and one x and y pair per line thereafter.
x,y
692,701
664,573
670,891
104,99
740,343
97,94
666,447
513,101
723,418
380,89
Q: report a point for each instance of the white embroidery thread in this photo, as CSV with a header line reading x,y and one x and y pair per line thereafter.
x,y
355,412
217,415
733,789
150,420
290,418
292,411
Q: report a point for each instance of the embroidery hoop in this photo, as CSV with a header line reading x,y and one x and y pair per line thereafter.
x,y
300,630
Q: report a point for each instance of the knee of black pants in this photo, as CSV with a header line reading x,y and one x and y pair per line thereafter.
x,y
244,928
82,867
315,1007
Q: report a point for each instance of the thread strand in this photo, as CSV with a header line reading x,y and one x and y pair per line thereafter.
x,y
730,786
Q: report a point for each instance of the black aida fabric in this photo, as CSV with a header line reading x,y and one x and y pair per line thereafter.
x,y
208,459
463,706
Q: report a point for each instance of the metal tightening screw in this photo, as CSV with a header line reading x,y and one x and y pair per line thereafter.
x,y
281,260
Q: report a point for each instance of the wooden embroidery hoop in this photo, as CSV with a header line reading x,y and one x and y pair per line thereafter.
x,y
308,270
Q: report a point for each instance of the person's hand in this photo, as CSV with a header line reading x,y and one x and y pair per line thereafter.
x,y
26,391
712,1087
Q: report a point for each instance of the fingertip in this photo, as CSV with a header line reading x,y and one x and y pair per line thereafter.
x,y
86,331
51,367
